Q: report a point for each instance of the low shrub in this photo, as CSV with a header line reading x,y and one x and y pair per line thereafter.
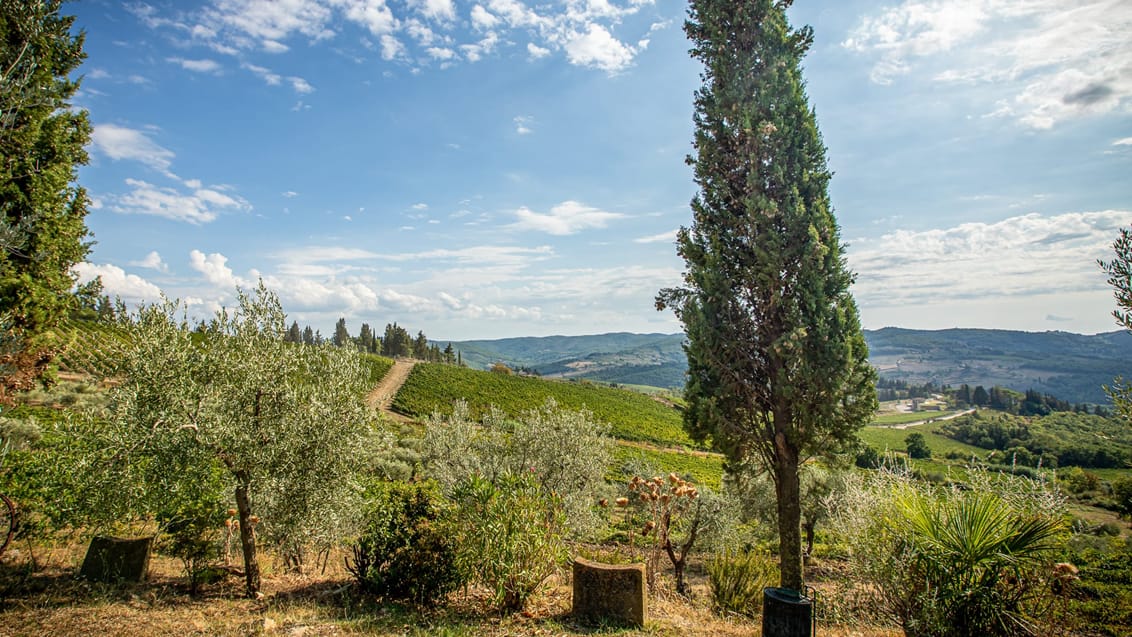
x,y
404,552
192,534
510,535
737,580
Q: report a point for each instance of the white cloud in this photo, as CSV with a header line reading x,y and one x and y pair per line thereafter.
x,y
568,217
421,32
152,261
473,52
1021,256
391,48
1059,60
537,51
119,142
198,206
441,53
264,20
523,124
668,237
215,269
482,19
517,14
290,194
197,66
116,282
1127,141
420,206
579,28
268,76
271,46
440,10
300,85
597,48
374,15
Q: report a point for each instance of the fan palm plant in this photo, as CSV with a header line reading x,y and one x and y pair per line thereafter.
x,y
974,562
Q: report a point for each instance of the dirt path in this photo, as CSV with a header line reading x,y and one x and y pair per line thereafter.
x,y
382,396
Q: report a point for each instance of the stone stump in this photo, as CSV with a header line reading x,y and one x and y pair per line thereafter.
x,y
610,593
115,559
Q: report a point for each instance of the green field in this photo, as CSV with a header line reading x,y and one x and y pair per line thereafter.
x,y
434,387
887,438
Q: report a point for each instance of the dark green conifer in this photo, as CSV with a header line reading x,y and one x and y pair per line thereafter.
x,y
778,366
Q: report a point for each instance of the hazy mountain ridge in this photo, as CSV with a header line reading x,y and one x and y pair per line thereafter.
x,y
1073,367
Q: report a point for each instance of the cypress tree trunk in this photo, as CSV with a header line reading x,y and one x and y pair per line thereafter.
x,y
787,489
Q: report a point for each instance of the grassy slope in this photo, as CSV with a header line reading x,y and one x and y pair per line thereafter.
x,y
891,439
632,416
703,469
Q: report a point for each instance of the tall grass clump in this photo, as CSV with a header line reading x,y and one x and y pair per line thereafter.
x,y
951,561
737,580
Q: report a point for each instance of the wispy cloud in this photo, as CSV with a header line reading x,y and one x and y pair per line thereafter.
x,y
266,74
568,217
300,85
1021,256
669,236
195,206
120,142
1060,60
196,66
581,30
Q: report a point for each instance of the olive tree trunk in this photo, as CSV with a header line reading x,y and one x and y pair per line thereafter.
x,y
247,536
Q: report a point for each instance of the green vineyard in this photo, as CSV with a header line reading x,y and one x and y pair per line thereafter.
x,y
632,416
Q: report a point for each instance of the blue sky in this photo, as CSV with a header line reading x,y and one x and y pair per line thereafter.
x,y
500,168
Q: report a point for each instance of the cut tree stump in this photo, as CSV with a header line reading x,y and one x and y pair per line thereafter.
x,y
610,593
116,559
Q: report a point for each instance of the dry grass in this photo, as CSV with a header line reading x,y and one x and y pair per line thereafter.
x,y
50,601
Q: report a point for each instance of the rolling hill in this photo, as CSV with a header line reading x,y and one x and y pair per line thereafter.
x,y
1073,367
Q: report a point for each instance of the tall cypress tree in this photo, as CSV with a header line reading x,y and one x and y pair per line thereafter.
x,y
341,333
778,368
42,210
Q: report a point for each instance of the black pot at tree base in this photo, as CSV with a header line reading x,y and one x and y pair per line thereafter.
x,y
787,613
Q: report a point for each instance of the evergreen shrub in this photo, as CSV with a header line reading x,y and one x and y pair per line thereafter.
x,y
405,552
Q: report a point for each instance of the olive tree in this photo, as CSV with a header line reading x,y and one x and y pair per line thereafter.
x,y
1119,271
567,452
282,430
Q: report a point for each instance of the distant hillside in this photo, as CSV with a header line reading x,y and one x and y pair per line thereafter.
x,y
638,359
1072,367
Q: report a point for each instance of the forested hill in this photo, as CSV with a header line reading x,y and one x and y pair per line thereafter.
x,y
1072,367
